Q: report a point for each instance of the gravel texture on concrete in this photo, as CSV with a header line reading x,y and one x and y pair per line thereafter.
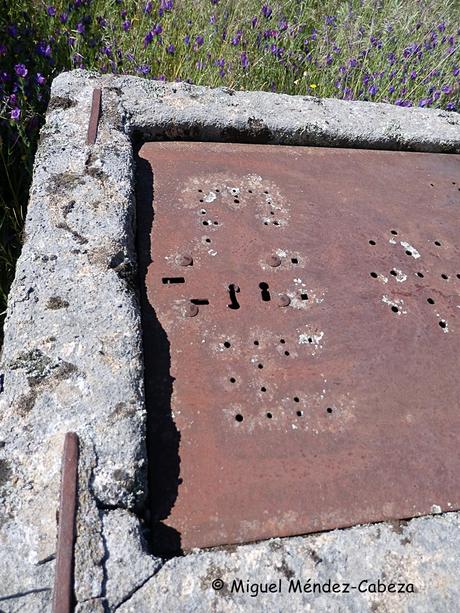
x,y
72,361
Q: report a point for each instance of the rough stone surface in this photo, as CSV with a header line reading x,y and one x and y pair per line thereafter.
x,y
72,360
360,557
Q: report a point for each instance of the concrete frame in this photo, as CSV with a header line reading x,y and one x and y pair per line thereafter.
x,y
72,361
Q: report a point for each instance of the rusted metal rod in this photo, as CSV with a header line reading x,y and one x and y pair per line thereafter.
x,y
63,579
94,116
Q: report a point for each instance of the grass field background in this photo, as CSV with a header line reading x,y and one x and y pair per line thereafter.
x,y
404,52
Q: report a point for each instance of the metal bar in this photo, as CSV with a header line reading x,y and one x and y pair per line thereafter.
x,y
94,116
63,580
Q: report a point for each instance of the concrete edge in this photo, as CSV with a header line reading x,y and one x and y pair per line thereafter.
x,y
69,364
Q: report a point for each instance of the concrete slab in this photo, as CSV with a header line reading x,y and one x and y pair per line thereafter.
x,y
72,360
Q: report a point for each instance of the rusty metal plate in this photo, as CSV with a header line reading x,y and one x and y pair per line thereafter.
x,y
301,337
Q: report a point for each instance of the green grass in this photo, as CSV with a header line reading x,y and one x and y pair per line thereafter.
x,y
366,52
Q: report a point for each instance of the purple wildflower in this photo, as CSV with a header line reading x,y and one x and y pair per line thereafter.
x,y
44,49
266,11
148,7
199,40
15,114
126,25
373,89
148,39
80,27
254,22
450,106
63,17
51,11
244,60
143,69
446,89
40,79
21,70
171,49
442,27
187,39
212,19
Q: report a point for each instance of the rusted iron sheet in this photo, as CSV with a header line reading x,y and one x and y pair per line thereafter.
x,y
63,580
301,338
94,117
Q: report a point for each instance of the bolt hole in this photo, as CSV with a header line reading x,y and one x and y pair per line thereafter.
x,y
250,191
431,184
265,293
256,342
393,272
296,399
205,223
310,340
232,291
201,200
216,223
276,223
203,212
260,366
266,191
394,309
395,232
227,344
239,417
329,409
208,240
272,212
201,191
199,301
269,415
263,389
420,274
443,324
299,413
286,353
304,296
265,223
236,201
444,276
374,275
294,260
458,275
282,341
408,252
371,242
217,190
232,380
430,300
437,243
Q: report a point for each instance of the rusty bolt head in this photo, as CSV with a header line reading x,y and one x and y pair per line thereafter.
x,y
191,310
185,259
284,300
274,261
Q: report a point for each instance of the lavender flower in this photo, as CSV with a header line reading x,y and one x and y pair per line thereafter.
x,y
244,60
51,11
171,49
126,25
40,79
15,114
266,11
21,70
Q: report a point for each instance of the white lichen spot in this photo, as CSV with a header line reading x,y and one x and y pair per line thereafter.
x,y
234,191
408,247
399,276
436,509
210,197
212,252
396,303
311,339
281,253
392,241
298,282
